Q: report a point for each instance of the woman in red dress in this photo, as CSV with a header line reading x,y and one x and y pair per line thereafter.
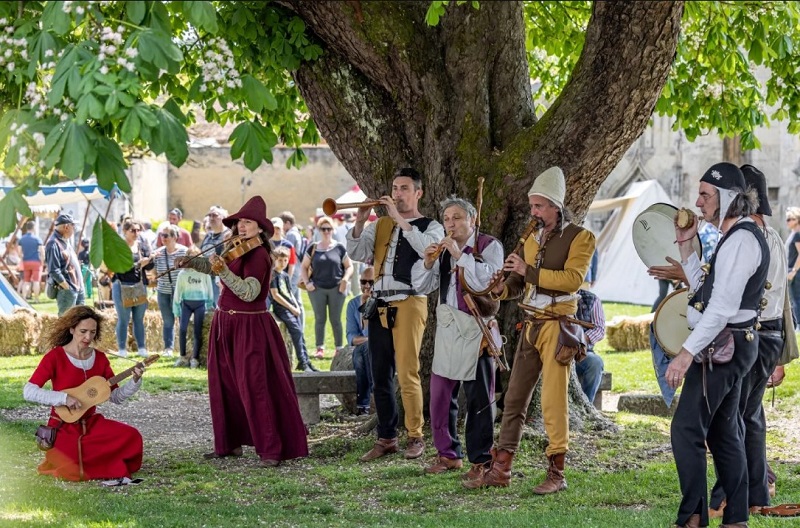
x,y
250,386
93,447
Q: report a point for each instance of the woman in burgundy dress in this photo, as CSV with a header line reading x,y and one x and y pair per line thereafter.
x,y
93,447
250,387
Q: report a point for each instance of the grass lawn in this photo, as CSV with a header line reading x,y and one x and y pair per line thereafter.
x,y
625,479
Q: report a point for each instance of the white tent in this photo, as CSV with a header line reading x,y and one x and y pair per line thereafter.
x,y
9,298
622,277
63,193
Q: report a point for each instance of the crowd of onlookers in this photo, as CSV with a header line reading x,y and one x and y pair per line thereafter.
x,y
315,258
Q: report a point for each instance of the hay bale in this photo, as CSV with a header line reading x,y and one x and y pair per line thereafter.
x,y
626,333
45,322
18,333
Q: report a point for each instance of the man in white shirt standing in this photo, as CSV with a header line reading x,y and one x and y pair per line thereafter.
x,y
770,346
396,242
724,306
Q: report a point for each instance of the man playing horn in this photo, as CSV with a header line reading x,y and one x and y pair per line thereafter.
x,y
547,274
724,305
459,357
396,242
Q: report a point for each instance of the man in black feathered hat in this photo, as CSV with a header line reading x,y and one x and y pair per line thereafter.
x,y
770,346
722,348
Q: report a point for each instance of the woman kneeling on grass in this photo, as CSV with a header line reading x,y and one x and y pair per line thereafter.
x,y
93,447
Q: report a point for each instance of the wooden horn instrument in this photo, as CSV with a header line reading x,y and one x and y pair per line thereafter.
x,y
329,206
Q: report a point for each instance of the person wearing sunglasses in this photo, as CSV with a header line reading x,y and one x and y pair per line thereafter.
x,y
142,261
326,272
357,338
165,258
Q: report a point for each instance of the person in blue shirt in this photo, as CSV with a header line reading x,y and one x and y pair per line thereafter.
x,y
31,266
357,338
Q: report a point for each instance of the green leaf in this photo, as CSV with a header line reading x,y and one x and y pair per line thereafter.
x,y
146,116
89,105
202,15
157,47
110,166
78,150
135,10
109,248
54,17
131,128
169,137
112,103
257,95
54,144
10,204
63,69
254,141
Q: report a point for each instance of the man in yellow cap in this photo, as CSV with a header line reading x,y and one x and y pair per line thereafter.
x,y
547,274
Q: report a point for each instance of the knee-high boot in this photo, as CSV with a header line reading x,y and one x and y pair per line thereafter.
x,y
555,480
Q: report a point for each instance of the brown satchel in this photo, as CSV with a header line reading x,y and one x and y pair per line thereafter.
x,y
46,437
571,344
720,351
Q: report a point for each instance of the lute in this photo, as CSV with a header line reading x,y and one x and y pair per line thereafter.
x,y
95,391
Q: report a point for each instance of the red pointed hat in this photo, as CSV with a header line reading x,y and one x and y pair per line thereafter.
x,y
256,210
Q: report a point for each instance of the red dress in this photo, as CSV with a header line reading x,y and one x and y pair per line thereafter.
x,y
106,449
250,386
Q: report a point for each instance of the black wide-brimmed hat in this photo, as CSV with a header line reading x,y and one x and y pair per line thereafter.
x,y
256,210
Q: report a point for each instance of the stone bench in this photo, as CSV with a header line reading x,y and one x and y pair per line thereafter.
x,y
309,385
605,384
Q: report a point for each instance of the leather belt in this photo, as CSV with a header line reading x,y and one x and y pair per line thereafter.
x,y
392,293
232,312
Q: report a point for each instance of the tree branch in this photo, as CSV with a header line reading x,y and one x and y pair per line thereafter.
x,y
629,49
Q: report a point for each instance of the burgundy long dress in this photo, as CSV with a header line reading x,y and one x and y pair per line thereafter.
x,y
106,449
250,386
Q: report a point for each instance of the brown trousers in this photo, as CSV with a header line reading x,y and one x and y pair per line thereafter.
x,y
535,357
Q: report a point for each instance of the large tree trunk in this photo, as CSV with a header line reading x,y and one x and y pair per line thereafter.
x,y
454,101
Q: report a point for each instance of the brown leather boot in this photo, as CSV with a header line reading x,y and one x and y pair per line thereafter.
x,y
717,514
691,522
555,480
442,464
383,446
499,474
476,471
414,448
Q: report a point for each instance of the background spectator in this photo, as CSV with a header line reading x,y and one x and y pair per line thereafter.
x,y
357,337
590,369
184,237
331,268
64,270
31,265
142,261
165,260
193,296
215,234
793,256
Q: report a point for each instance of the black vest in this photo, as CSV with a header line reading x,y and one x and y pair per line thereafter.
x,y
754,290
405,256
